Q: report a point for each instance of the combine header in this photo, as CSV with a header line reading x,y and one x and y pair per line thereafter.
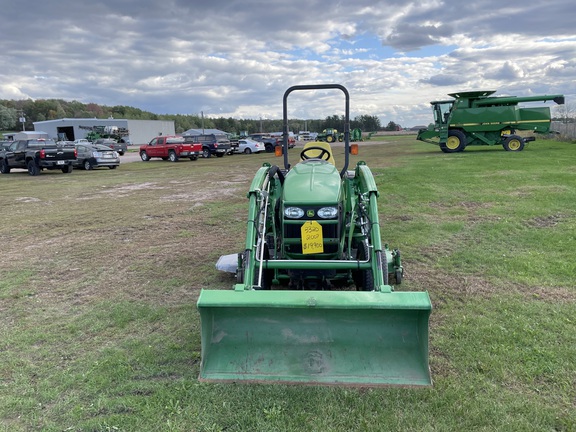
x,y
477,118
314,301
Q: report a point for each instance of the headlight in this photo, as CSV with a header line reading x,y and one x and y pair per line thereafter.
x,y
293,212
327,212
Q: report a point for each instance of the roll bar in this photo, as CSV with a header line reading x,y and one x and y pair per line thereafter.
x,y
346,121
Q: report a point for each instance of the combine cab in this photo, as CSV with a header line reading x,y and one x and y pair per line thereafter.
x,y
477,118
314,300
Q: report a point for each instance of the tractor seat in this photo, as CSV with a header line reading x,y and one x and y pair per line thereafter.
x,y
316,153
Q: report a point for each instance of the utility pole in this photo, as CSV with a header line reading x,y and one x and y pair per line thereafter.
x,y
22,119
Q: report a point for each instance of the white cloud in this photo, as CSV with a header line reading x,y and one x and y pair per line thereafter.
x,y
237,58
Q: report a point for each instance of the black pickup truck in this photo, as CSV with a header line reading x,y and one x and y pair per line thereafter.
x,y
212,144
36,155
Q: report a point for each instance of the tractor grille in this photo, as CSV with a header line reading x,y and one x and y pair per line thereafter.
x,y
329,233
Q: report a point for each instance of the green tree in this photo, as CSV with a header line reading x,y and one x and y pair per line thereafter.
x,y
391,126
8,118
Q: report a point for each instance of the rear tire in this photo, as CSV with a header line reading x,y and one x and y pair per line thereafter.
x,y
514,143
67,169
88,165
172,156
33,169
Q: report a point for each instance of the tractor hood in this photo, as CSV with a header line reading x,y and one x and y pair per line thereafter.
x,y
312,182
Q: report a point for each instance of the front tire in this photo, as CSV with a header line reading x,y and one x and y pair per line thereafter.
x,y
4,167
144,156
456,142
206,153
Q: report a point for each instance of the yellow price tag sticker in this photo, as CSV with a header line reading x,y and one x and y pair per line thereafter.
x,y
312,240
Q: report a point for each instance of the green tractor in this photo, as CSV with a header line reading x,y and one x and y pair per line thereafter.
x,y
328,135
478,118
315,300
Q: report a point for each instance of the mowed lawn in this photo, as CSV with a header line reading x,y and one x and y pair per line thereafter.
x,y
101,271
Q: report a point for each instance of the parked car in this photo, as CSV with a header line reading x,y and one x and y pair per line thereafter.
x,y
5,144
120,147
248,146
212,144
36,155
271,142
170,147
96,155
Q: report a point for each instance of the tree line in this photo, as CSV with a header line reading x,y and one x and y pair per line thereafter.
x,y
13,111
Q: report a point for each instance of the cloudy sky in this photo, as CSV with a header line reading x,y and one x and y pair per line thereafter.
x,y
236,58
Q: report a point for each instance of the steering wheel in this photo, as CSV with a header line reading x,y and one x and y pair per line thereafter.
x,y
324,153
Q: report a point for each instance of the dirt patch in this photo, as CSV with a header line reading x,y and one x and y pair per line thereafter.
x,y
545,221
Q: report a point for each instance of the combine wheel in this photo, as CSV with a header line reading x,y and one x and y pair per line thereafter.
x,y
456,142
514,143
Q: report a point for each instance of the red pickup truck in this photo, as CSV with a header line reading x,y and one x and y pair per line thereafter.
x,y
170,147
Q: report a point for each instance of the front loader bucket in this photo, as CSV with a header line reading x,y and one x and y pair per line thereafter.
x,y
315,337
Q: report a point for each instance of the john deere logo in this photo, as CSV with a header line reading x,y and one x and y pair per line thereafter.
x,y
310,213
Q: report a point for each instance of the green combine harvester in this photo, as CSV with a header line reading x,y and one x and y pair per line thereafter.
x,y
478,118
314,301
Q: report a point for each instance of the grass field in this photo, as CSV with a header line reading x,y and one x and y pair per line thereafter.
x,y
101,271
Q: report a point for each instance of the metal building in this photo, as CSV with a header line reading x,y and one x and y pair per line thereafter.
x,y
138,131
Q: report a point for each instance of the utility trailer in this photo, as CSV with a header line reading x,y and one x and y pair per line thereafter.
x,y
477,118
